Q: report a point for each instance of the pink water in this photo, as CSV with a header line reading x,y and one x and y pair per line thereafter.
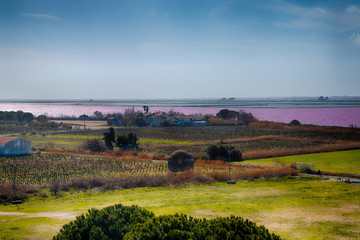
x,y
318,116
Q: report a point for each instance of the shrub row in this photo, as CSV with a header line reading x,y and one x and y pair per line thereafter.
x,y
200,176
21,193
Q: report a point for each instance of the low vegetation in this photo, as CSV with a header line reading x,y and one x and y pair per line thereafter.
x,y
291,207
26,123
224,153
134,223
252,142
109,223
61,172
94,168
331,162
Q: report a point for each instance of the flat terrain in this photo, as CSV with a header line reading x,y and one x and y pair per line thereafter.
x,y
335,162
253,142
293,208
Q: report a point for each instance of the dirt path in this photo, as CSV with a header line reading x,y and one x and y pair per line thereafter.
x,y
58,215
333,178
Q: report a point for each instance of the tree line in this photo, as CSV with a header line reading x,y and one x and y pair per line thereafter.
x,y
18,116
137,118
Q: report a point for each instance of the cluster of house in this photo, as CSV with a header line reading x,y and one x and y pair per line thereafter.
x,y
155,119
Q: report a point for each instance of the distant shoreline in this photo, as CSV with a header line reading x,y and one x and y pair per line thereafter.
x,y
237,103
343,114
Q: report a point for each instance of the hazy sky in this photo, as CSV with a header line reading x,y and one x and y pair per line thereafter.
x,y
115,49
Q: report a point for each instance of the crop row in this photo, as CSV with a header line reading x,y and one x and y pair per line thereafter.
x,y
244,147
207,133
42,169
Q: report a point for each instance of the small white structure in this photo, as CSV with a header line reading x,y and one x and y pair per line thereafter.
x,y
10,146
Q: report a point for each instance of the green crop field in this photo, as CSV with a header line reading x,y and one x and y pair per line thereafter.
x,y
336,162
42,169
294,208
253,142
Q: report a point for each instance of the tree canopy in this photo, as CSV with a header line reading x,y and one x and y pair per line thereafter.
x,y
109,137
221,152
19,116
135,223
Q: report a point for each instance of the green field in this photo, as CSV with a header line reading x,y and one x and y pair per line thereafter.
x,y
76,142
291,207
294,208
253,142
336,162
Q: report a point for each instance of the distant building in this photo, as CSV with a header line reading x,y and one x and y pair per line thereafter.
x,y
186,120
10,146
155,119
199,123
112,121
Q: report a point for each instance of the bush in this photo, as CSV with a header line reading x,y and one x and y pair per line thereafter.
x,y
94,145
109,137
140,121
55,187
228,114
295,123
21,193
246,118
220,152
109,223
183,227
130,223
127,142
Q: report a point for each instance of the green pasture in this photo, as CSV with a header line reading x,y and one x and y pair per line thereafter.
x,y
160,141
336,162
57,143
141,140
70,136
76,141
294,208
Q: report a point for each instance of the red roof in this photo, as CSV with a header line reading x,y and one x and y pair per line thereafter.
x,y
4,140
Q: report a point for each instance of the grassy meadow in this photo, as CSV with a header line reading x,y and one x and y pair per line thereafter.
x,y
334,162
294,208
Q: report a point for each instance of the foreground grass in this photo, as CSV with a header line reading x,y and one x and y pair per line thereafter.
x,y
336,162
293,208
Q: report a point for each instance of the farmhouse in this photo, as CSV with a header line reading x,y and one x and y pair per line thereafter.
x,y
10,146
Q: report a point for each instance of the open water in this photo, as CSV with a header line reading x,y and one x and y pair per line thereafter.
x,y
337,116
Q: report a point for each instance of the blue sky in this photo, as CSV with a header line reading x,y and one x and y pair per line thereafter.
x,y
107,49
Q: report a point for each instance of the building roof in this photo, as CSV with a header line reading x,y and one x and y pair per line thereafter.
x,y
4,140
190,116
156,115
